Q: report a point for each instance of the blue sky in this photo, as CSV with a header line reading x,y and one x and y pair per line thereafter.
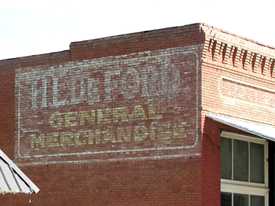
x,y
37,26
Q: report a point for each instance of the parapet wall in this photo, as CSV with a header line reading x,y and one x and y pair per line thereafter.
x,y
113,121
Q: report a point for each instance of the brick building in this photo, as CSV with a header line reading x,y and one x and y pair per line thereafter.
x,y
176,116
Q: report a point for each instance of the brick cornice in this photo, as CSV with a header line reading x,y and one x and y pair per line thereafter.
x,y
238,53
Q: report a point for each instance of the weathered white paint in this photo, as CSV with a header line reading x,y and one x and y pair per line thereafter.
x,y
53,90
148,81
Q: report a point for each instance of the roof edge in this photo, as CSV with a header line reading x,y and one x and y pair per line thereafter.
x,y
90,48
228,37
187,27
13,166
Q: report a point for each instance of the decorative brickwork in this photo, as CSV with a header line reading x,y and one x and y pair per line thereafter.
x,y
237,53
237,76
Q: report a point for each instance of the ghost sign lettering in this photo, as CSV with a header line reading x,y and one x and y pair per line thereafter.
x,y
112,105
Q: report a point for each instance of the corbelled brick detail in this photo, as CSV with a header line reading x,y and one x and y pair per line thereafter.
x,y
255,63
237,77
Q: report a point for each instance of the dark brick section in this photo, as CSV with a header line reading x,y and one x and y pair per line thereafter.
x,y
137,42
7,114
163,182
35,60
210,162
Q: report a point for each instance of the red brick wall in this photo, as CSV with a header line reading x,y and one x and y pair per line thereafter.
x,y
211,175
232,93
159,182
7,114
210,162
168,177
237,81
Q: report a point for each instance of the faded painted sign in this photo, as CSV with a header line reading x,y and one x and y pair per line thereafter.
x,y
247,93
138,102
